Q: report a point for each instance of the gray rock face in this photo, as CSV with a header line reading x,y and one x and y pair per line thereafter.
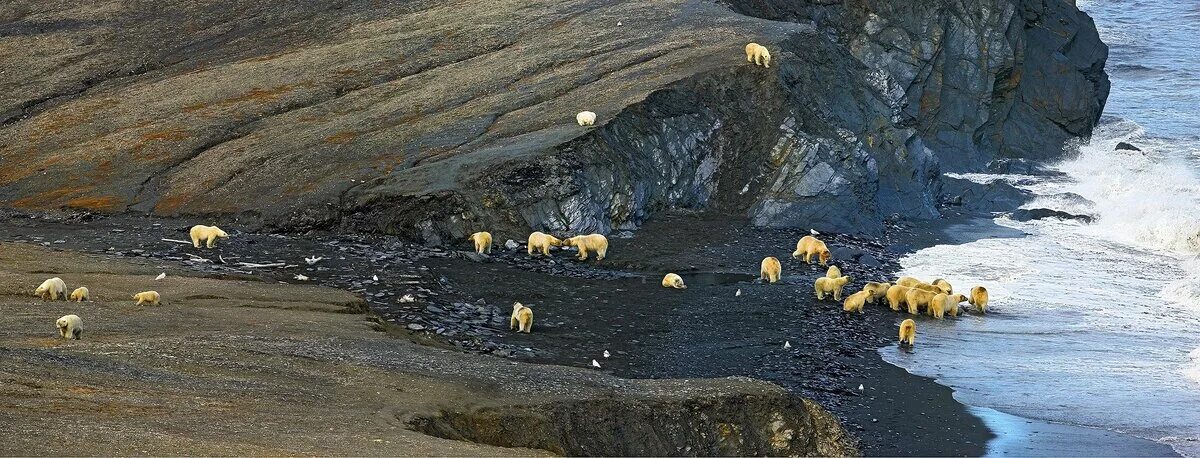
x,y
433,121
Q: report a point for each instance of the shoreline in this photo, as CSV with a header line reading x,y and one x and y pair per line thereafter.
x,y
896,414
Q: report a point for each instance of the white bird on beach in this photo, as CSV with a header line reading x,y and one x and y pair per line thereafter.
x,y
301,277
738,293
787,345
595,364
606,354
407,298
313,260
375,278
813,232
860,387
161,276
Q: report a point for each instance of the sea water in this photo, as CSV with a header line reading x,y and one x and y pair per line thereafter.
x,y
1095,323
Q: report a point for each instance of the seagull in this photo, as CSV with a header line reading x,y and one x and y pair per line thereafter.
x,y
375,278
407,298
738,293
595,364
813,232
860,387
313,260
606,354
787,345
618,23
161,276
301,277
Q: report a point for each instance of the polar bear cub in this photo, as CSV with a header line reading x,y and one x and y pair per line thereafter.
x,y
855,302
147,297
826,285
585,243
770,269
758,54
209,234
70,327
483,242
81,294
673,280
52,289
522,318
540,241
586,118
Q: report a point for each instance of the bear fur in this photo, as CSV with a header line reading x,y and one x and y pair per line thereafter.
x,y
70,327
585,118
830,285
542,242
928,287
809,246
979,298
908,282
945,303
855,302
52,289
908,332
147,297
758,54
673,280
522,318
943,285
878,291
209,234
770,269
915,299
81,294
895,296
833,272
483,242
586,243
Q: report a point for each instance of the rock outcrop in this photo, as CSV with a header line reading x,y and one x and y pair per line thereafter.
x,y
433,119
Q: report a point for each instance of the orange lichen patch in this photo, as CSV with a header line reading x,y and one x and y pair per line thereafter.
x,y
388,162
341,137
100,203
171,203
48,198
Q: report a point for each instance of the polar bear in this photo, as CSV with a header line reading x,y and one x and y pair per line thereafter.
x,y
209,234
673,280
833,272
945,303
854,303
483,242
809,246
830,285
943,285
878,291
586,243
147,297
81,294
908,332
908,282
70,327
895,296
758,54
917,298
770,269
585,118
52,290
522,318
542,242
979,298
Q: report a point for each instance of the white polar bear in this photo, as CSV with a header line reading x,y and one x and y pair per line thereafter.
x,y
52,290
209,234
70,327
586,118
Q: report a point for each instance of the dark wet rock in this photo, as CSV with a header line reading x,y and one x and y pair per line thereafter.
x,y
995,195
846,254
415,327
1021,166
1123,146
869,261
1024,214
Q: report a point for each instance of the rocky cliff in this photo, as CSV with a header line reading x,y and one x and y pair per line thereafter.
x,y
434,119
